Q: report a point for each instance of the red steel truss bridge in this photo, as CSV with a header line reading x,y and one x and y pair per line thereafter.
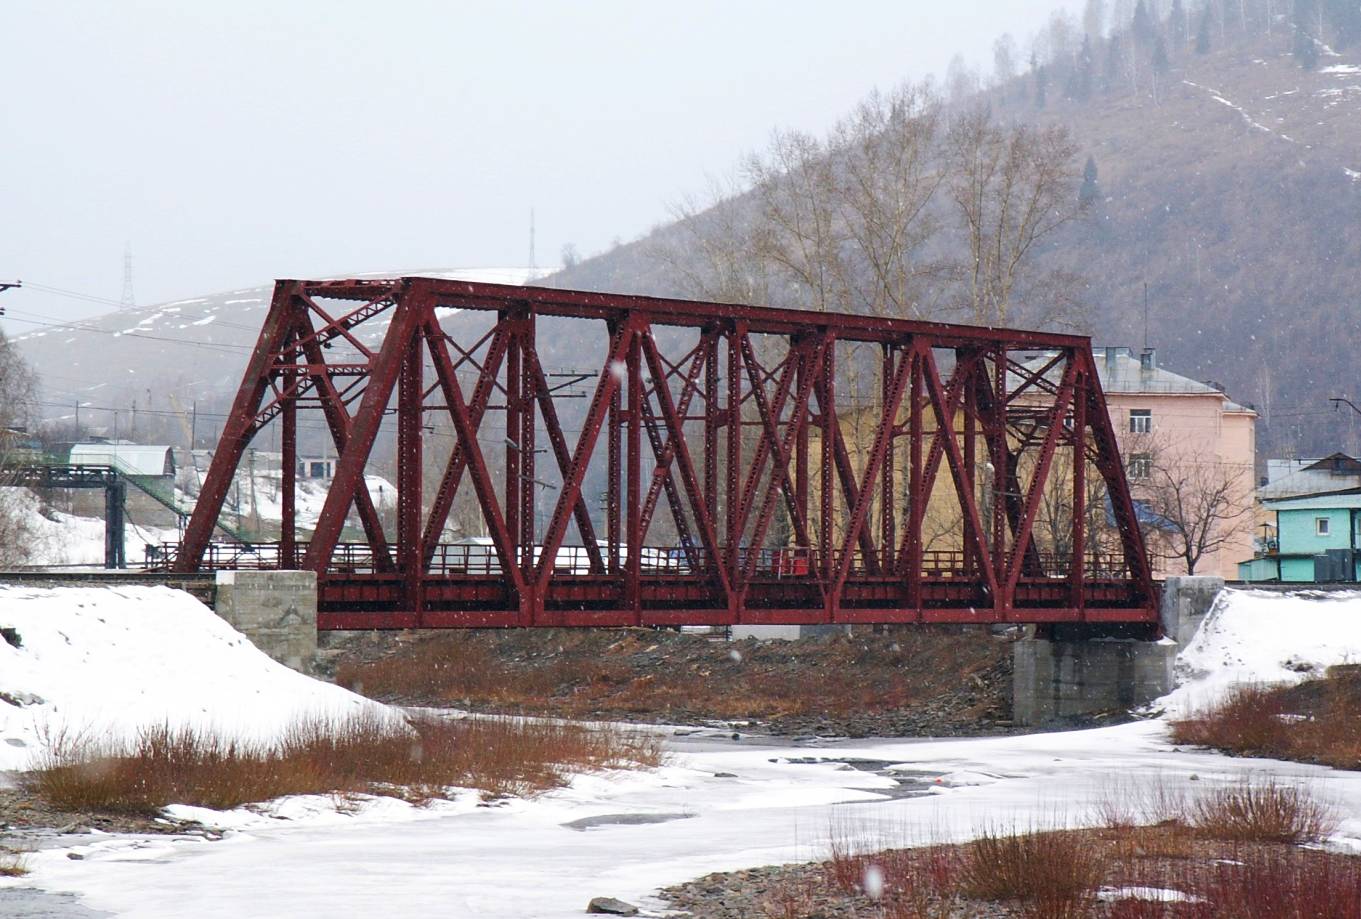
x,y
726,464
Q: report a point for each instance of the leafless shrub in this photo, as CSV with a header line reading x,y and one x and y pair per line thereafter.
x,y
419,760
1287,883
1055,870
1263,811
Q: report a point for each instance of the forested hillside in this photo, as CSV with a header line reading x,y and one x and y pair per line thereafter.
x,y
1222,154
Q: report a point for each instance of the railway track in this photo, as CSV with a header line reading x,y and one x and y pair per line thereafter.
x,y
201,585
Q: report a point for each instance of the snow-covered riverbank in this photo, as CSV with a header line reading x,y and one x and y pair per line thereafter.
x,y
104,662
719,804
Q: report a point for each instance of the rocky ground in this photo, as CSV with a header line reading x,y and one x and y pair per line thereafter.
x,y
27,821
1162,871
797,892
908,682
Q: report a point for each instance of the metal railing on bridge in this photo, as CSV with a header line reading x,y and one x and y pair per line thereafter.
x,y
475,559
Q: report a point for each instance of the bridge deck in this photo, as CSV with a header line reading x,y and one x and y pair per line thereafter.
x,y
465,588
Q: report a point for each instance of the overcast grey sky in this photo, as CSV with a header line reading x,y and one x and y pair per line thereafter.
x,y
233,142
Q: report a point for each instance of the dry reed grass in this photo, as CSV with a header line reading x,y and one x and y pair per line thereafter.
x,y
1262,811
1227,853
13,865
417,760
1316,721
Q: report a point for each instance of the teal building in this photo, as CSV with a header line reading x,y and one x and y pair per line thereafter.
x,y
1318,539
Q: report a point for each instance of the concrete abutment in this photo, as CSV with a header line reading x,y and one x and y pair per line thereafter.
x,y
1060,680
276,610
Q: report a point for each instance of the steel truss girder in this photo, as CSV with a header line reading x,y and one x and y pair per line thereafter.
x,y
735,414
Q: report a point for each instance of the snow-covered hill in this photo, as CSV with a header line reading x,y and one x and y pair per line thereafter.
x,y
193,349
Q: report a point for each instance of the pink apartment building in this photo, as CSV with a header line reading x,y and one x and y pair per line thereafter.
x,y
1191,427
1172,427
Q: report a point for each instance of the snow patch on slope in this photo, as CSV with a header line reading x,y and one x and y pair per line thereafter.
x,y
60,540
1258,636
1248,119
108,661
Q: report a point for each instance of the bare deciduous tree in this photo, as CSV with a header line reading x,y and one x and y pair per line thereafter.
x,y
18,386
1004,60
1012,188
1196,505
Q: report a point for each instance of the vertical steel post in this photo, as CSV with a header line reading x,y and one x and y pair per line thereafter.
x,y
917,495
526,437
1000,459
288,445
514,449
972,561
634,495
713,422
614,470
1078,557
802,381
827,461
733,490
115,503
410,420
888,537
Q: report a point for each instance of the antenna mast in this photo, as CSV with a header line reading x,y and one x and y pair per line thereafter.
x,y
128,301
1145,315
533,265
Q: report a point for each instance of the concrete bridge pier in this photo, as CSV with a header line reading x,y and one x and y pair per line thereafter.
x,y
1070,677
276,610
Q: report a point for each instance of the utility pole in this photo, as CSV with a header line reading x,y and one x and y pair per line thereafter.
x,y
8,285
1339,401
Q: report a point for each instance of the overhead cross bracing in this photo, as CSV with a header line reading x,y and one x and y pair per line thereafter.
x,y
730,464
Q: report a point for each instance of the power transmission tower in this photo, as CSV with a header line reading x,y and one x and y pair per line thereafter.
x,y
533,266
128,302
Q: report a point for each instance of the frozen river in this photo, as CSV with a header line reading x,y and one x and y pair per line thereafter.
x,y
717,805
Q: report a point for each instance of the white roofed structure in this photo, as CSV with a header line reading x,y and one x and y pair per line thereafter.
x,y
126,457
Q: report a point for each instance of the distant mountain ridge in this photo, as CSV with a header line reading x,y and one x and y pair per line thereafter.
x,y
168,358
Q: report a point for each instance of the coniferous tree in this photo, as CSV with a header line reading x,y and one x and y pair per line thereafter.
x,y
1305,50
1041,81
1144,28
1305,19
1090,191
1203,32
1160,61
1177,25
1082,76
1111,76
1094,18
